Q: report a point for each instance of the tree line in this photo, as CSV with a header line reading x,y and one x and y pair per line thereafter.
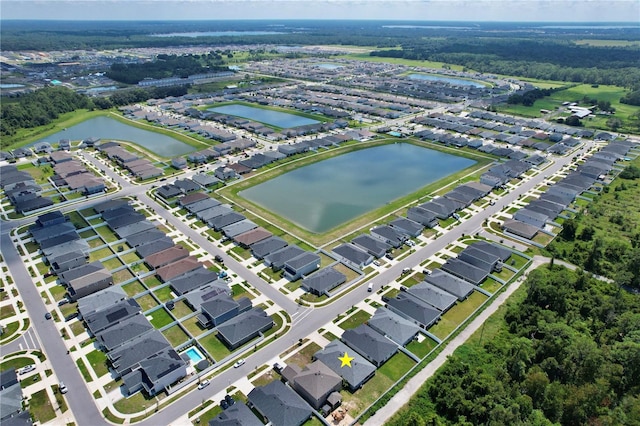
x,y
568,353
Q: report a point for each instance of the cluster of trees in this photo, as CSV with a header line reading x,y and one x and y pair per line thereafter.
x,y
39,108
131,96
559,60
605,239
631,98
529,97
567,353
166,66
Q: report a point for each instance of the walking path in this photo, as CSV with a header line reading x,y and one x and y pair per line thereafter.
x,y
412,387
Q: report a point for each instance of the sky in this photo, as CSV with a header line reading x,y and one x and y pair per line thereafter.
x,y
414,10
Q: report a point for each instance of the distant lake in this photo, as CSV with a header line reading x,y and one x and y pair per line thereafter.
x,y
323,195
216,33
450,80
329,66
267,116
10,86
107,128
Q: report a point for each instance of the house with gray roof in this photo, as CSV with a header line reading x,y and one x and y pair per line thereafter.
x,y
277,259
373,246
393,326
60,239
111,315
520,229
236,415
69,260
80,245
177,268
407,226
144,237
167,256
193,280
439,210
120,211
186,185
323,281
101,300
502,252
125,358
155,246
155,373
221,308
205,180
531,218
355,376
279,404
51,218
389,235
464,270
262,248
370,344
192,198
300,265
134,228
220,216
413,309
90,283
244,327
238,228
422,216
435,296
481,259
201,205
11,400
40,234
353,255
315,382
168,191
131,328
126,219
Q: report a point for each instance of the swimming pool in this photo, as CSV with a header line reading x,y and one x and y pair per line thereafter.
x,y
194,355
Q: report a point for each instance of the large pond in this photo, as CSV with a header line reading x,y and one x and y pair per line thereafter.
x,y
195,34
267,116
450,80
107,128
323,195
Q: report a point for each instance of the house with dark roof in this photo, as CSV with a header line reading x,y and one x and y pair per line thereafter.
x,y
110,205
205,180
464,270
145,237
502,252
193,280
125,220
111,315
531,218
11,400
520,229
373,246
205,292
89,284
131,328
413,309
277,259
221,308
435,296
220,216
236,415
269,245
68,260
155,373
187,186
353,255
126,357
393,326
202,205
315,382
154,246
168,191
244,327
439,210
370,344
40,234
279,404
101,299
481,259
422,216
407,226
323,281
389,235
355,376
52,218
300,265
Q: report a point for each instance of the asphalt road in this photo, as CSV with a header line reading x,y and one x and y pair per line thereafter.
x,y
305,320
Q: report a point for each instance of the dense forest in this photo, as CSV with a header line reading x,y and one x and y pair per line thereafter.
x,y
604,238
568,352
39,108
167,66
559,60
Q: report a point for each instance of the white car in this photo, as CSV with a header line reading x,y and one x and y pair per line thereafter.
x,y
62,388
238,363
27,368
377,263
203,384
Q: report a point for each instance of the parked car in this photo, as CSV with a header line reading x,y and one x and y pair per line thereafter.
x,y
224,404
239,363
27,368
62,388
203,384
370,287
376,262
219,258
229,399
47,315
63,301
389,256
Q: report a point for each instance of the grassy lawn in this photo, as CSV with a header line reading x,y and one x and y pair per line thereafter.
x,y
164,294
505,274
193,326
238,291
58,292
77,220
491,285
40,407
98,361
266,378
517,262
355,320
87,234
113,263
303,356
181,309
83,369
216,349
122,276
16,363
208,415
133,288
106,233
96,242
397,366
146,302
160,318
175,335
32,247
7,311
88,212
293,285
457,314
151,281
241,252
348,272
77,328
421,349
130,257
100,254
135,403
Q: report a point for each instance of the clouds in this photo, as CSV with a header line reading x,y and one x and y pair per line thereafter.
x,y
450,10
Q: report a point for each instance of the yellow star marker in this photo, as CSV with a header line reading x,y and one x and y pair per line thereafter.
x,y
346,360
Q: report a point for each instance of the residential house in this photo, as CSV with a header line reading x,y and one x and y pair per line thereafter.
x,y
520,229
323,281
373,246
263,248
435,296
372,345
277,259
244,327
221,308
464,270
414,309
407,226
352,255
315,382
354,376
422,216
303,264
389,235
279,404
155,373
236,415
110,315
393,326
